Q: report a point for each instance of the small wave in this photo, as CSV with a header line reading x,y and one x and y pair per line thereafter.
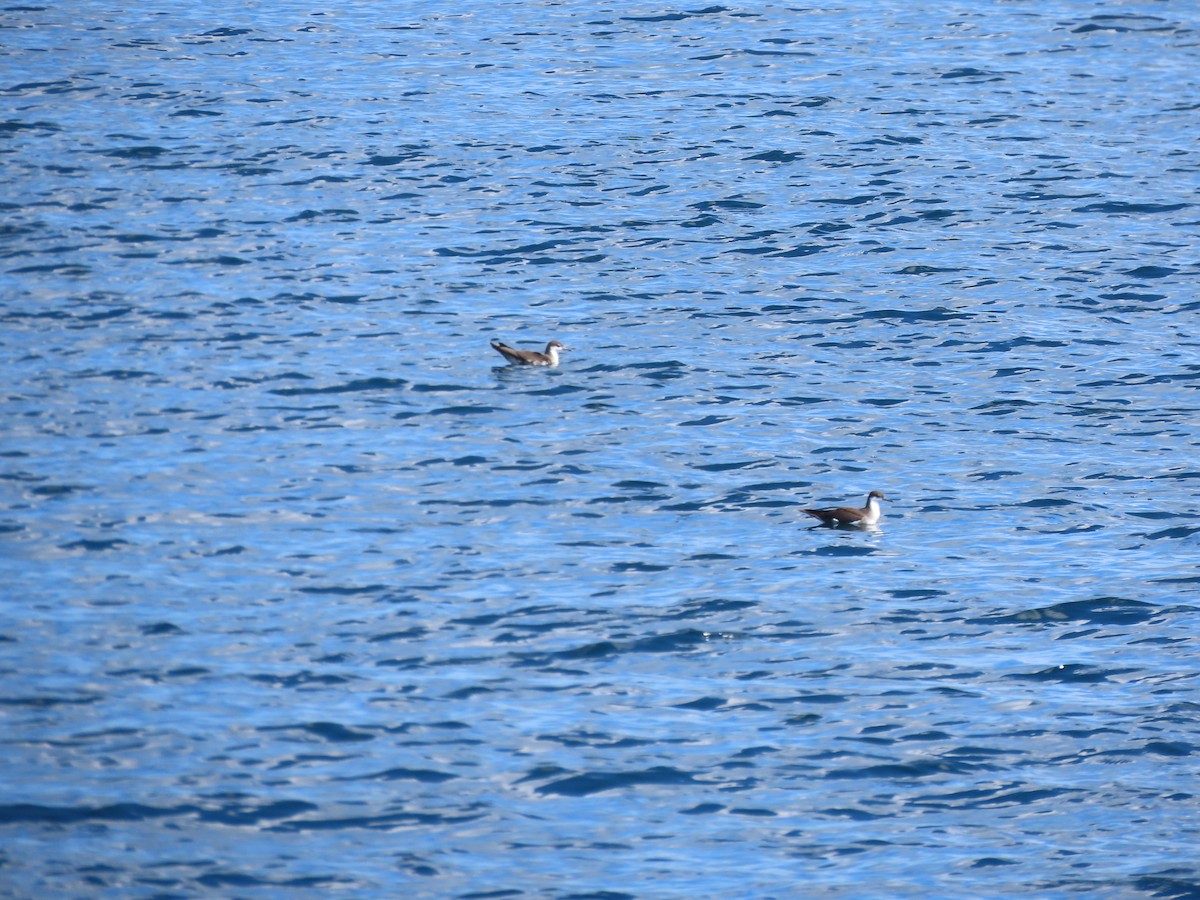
x,y
57,490
732,466
1181,884
594,650
638,567
400,773
1181,531
383,822
362,384
343,590
299,679
702,809
841,550
937,313
94,546
1099,610
115,812
703,704
1142,272
923,768
1121,208
473,410
976,75
327,731
990,798
253,814
669,643
1070,673
598,782
50,702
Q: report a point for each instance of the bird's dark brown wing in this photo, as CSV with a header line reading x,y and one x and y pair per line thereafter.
x,y
841,515
522,357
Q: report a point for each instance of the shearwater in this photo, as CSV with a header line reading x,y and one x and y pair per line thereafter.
x,y
530,357
863,517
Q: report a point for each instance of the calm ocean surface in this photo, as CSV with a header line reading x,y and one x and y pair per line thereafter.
x,y
306,594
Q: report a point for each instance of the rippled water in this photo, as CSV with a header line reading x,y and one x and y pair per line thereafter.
x,y
308,593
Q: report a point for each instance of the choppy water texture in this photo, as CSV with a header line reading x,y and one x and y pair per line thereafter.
x,y
306,594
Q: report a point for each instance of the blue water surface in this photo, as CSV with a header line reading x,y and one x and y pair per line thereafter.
x,y
306,593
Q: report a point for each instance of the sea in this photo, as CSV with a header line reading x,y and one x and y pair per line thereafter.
x,y
307,594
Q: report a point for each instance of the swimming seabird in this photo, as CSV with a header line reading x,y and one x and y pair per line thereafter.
x,y
530,357
851,515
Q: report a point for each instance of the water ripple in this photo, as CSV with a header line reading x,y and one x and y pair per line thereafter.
x,y
290,550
